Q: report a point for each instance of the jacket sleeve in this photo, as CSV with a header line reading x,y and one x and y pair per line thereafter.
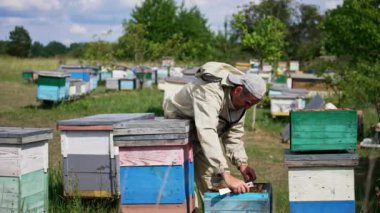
x,y
207,102
233,144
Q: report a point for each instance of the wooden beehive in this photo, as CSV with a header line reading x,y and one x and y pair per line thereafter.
x,y
316,130
281,105
127,84
52,86
156,165
112,84
23,169
321,182
259,200
90,160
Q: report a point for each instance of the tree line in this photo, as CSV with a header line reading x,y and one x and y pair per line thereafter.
x,y
270,31
162,28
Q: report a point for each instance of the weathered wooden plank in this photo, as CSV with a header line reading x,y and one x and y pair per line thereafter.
x,y
156,123
323,144
321,184
246,202
27,193
152,185
189,178
89,194
88,163
332,128
151,156
188,152
147,131
325,129
345,136
10,160
156,126
152,138
16,160
34,157
18,135
90,183
33,183
9,188
156,208
345,159
83,128
105,119
34,203
85,143
322,206
132,143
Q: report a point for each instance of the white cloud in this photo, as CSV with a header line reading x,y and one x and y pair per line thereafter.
x,y
20,5
90,4
77,29
131,3
332,4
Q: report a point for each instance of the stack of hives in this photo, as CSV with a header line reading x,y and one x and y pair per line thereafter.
x,y
23,169
90,160
156,165
321,160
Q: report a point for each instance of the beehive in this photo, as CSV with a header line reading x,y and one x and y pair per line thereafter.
x,y
90,160
321,182
317,130
156,165
257,201
23,169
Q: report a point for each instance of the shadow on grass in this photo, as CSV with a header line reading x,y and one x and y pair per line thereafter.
x,y
43,105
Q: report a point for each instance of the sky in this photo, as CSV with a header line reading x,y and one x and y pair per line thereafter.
x,y
69,21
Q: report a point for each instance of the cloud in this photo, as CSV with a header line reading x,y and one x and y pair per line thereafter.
x,y
20,5
131,3
332,4
77,29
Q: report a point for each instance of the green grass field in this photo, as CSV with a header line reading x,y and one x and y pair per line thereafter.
x,y
19,108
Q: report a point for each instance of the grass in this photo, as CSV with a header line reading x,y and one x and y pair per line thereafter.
x,y
263,143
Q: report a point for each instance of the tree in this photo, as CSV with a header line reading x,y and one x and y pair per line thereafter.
x,y
3,47
281,9
38,49
160,28
77,50
20,42
267,39
133,44
157,17
305,37
99,52
55,48
352,31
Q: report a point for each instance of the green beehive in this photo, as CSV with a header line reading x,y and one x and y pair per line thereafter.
x,y
26,193
318,130
51,81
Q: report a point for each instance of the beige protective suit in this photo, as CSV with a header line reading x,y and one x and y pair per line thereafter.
x,y
219,125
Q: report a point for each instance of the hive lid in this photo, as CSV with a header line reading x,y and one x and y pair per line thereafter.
x,y
105,119
19,135
149,127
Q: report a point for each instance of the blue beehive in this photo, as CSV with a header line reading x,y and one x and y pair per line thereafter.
x,y
52,86
260,201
